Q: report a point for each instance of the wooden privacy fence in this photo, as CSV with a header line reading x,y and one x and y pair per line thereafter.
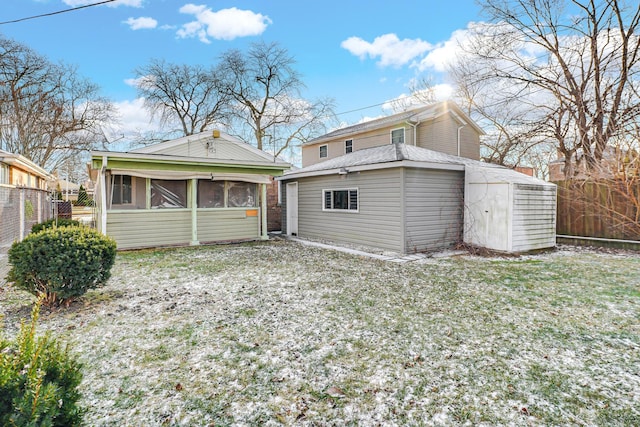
x,y
607,209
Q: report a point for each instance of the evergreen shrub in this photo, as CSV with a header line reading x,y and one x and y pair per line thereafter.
x,y
62,263
39,380
60,222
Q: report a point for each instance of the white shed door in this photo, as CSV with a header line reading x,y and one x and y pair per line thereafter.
x,y
292,209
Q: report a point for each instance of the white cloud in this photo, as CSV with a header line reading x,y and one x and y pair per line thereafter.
x,y
224,24
131,3
142,23
135,82
388,47
134,118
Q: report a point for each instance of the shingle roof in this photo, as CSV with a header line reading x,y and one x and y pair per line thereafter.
x,y
416,115
390,153
382,154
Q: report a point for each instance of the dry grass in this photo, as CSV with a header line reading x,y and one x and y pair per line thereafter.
x,y
279,333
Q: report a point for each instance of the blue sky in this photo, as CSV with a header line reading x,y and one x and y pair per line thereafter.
x,y
360,53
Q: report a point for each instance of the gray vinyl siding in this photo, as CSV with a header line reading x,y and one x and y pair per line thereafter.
x,y
534,217
149,228
377,224
441,135
215,225
434,209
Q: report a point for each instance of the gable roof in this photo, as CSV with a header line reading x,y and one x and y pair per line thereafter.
x,y
213,145
413,116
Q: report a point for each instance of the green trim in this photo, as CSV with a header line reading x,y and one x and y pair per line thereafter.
x,y
161,165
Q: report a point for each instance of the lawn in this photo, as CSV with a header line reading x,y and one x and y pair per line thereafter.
x,y
277,333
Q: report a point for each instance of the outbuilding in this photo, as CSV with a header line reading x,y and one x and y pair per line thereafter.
x,y
409,199
508,211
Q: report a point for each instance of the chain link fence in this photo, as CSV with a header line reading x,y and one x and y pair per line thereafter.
x,y
20,209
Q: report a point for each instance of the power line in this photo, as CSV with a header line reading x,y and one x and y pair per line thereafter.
x,y
56,12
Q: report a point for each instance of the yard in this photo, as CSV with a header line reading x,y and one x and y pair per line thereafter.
x,y
279,333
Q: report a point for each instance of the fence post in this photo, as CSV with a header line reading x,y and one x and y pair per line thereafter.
x,y
21,215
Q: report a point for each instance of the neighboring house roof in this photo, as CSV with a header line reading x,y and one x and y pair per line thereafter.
x,y
413,116
64,185
23,163
402,155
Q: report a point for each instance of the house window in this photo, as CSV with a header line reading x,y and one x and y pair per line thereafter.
x,y
340,200
397,136
323,151
168,194
121,190
4,173
348,146
210,194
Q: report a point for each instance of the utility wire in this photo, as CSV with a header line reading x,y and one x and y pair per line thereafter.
x,y
57,12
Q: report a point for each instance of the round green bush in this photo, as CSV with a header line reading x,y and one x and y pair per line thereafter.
x,y
62,263
60,222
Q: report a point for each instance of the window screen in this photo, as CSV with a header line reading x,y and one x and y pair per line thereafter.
x,y
168,194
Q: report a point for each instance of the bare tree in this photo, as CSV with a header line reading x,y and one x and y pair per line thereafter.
x,y
187,98
577,61
47,112
266,89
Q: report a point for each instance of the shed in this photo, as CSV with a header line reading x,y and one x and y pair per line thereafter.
x,y
508,211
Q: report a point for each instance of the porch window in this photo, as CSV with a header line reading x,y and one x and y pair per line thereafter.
x,y
397,136
241,194
168,194
226,194
340,200
210,194
121,190
348,146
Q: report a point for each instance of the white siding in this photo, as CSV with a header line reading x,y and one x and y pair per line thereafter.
x,y
434,205
534,217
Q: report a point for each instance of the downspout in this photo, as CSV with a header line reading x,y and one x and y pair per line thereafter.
x,y
415,131
459,129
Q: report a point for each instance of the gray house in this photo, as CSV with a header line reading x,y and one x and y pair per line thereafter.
x,y
389,190
395,197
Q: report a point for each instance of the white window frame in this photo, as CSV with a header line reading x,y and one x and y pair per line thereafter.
x,y
4,174
326,151
403,135
348,210
113,187
349,146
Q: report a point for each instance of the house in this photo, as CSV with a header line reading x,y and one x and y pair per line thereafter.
x,y
407,198
24,199
442,127
208,187
615,163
